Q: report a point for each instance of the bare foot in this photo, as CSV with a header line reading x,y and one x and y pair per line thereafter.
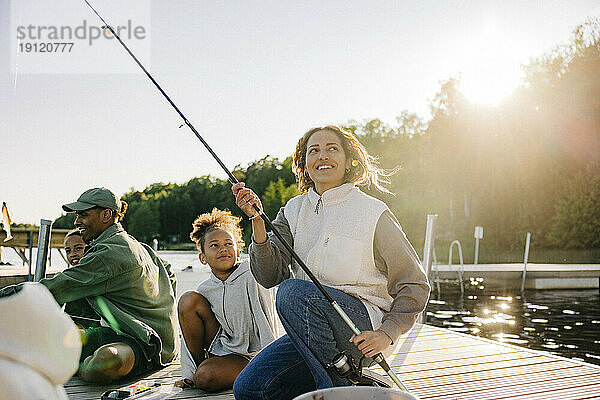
x,y
184,383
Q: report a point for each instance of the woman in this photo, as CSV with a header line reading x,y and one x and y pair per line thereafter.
x,y
354,245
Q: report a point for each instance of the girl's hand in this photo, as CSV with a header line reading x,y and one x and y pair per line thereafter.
x,y
245,199
370,343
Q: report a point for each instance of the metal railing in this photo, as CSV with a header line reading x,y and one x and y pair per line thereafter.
x,y
428,249
43,249
461,269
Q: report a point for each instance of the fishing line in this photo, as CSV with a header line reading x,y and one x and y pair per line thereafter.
x,y
378,358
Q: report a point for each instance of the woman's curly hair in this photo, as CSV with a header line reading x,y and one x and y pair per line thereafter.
x,y
121,213
363,169
216,219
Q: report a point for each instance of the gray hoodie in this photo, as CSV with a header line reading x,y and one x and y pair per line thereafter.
x,y
245,311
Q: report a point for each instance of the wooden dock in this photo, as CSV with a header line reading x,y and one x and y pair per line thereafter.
x,y
538,276
23,242
440,364
25,237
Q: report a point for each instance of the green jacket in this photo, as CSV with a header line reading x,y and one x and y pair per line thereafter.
x,y
130,286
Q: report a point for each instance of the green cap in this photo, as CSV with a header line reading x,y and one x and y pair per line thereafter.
x,y
96,197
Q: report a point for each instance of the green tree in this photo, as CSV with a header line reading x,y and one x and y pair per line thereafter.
x,y
65,221
259,174
277,195
576,222
144,222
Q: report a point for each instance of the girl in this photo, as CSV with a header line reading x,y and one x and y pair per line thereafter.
x,y
74,247
354,245
229,318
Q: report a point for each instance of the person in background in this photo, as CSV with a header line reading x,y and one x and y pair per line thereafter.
x,y
229,318
121,292
74,247
40,345
354,245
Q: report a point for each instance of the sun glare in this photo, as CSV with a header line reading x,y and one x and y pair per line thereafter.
x,y
489,81
491,70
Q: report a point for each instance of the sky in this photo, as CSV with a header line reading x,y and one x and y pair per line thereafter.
x,y
251,76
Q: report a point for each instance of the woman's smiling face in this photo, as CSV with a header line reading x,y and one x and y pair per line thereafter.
x,y
326,161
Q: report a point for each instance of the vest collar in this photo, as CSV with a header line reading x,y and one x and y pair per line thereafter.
x,y
332,196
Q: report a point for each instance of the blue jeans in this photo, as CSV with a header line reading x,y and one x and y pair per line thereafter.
x,y
296,362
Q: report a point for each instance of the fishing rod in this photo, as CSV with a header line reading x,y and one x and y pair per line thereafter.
x,y
378,358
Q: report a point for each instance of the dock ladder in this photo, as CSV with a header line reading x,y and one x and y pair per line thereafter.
x,y
461,269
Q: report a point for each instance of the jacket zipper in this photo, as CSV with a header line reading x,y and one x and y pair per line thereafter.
x,y
224,313
319,203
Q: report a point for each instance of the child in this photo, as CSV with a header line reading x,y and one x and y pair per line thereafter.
x,y
229,318
74,247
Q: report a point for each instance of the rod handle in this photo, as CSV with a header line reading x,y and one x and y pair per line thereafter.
x,y
379,359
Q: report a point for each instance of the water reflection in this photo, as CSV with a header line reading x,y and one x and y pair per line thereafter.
x,y
563,322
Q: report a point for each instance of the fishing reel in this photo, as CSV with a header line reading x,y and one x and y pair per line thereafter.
x,y
345,366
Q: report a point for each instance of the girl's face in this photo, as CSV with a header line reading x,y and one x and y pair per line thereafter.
x,y
74,247
326,161
220,252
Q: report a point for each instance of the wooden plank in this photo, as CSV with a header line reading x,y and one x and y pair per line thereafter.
x,y
80,390
435,363
506,381
21,237
467,366
579,393
429,355
533,390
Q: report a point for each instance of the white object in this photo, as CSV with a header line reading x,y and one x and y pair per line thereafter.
x,y
428,251
157,393
356,392
40,345
525,259
461,269
478,235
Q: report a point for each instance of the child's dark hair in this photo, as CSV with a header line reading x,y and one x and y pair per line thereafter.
x,y
73,232
216,219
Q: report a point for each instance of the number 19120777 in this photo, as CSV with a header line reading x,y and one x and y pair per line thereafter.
x,y
49,47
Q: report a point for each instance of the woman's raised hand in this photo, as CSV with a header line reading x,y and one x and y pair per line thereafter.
x,y
246,199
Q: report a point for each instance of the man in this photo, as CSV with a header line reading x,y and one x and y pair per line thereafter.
x,y
120,291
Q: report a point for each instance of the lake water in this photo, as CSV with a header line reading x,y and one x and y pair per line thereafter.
x,y
562,322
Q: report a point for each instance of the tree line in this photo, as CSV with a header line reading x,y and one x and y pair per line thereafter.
x,y
530,164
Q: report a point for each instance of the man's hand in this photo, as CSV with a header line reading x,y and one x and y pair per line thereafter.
x,y
371,343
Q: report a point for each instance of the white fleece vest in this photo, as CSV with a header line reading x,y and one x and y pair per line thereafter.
x,y
333,234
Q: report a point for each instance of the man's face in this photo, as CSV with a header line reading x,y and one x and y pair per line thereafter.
x,y
91,223
74,248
